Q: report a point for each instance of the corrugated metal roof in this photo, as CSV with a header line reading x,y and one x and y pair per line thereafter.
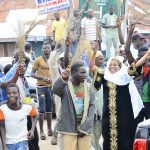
x,y
138,9
8,29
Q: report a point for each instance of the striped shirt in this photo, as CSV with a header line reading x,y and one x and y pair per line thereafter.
x,y
89,26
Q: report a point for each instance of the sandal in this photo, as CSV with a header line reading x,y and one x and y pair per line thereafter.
x,y
54,140
42,136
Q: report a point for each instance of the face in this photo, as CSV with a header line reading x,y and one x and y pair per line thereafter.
x,y
76,13
111,10
80,75
99,61
56,15
46,49
113,67
12,95
141,53
90,14
138,43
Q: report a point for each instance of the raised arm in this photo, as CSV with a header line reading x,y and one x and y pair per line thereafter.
x,y
128,44
143,59
121,39
94,47
60,83
53,63
84,7
14,78
67,52
92,62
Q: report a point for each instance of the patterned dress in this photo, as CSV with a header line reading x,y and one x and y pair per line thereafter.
x,y
118,123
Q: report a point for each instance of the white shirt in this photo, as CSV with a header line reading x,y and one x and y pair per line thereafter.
x,y
16,123
90,26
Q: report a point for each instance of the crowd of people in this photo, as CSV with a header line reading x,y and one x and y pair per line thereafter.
x,y
94,95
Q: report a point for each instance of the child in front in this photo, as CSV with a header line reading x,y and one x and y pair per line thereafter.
x,y
13,121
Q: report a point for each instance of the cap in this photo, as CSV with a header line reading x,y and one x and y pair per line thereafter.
x,y
61,55
137,36
90,9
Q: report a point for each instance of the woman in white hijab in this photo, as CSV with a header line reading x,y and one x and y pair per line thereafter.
x,y
122,104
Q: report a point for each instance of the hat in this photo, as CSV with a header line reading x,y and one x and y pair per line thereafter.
x,y
137,36
61,55
90,9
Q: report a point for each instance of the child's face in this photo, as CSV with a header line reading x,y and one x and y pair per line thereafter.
x,y
12,95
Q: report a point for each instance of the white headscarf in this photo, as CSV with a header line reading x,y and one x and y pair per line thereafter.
x,y
122,77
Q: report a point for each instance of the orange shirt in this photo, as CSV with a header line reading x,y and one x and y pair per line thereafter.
x,y
42,70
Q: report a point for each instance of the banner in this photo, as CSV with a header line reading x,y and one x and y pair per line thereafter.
x,y
46,6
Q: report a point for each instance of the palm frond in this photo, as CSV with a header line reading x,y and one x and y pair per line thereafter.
x,y
82,46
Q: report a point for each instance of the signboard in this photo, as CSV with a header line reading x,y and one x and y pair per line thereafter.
x,y
101,1
46,6
101,4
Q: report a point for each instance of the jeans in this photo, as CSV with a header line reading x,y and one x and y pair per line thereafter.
x,y
23,145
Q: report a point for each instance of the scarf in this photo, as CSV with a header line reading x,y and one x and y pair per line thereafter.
x,y
121,78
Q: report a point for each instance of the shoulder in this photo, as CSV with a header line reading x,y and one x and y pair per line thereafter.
x,y
84,19
38,59
115,15
54,22
25,105
63,20
106,15
3,106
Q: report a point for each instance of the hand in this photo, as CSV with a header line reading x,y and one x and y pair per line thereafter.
x,y
68,41
54,42
66,74
5,147
80,134
94,46
58,45
21,69
119,22
47,80
30,135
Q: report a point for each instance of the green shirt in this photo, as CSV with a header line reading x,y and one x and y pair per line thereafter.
x,y
110,20
79,101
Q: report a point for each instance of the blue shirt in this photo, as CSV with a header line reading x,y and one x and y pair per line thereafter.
x,y
8,76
